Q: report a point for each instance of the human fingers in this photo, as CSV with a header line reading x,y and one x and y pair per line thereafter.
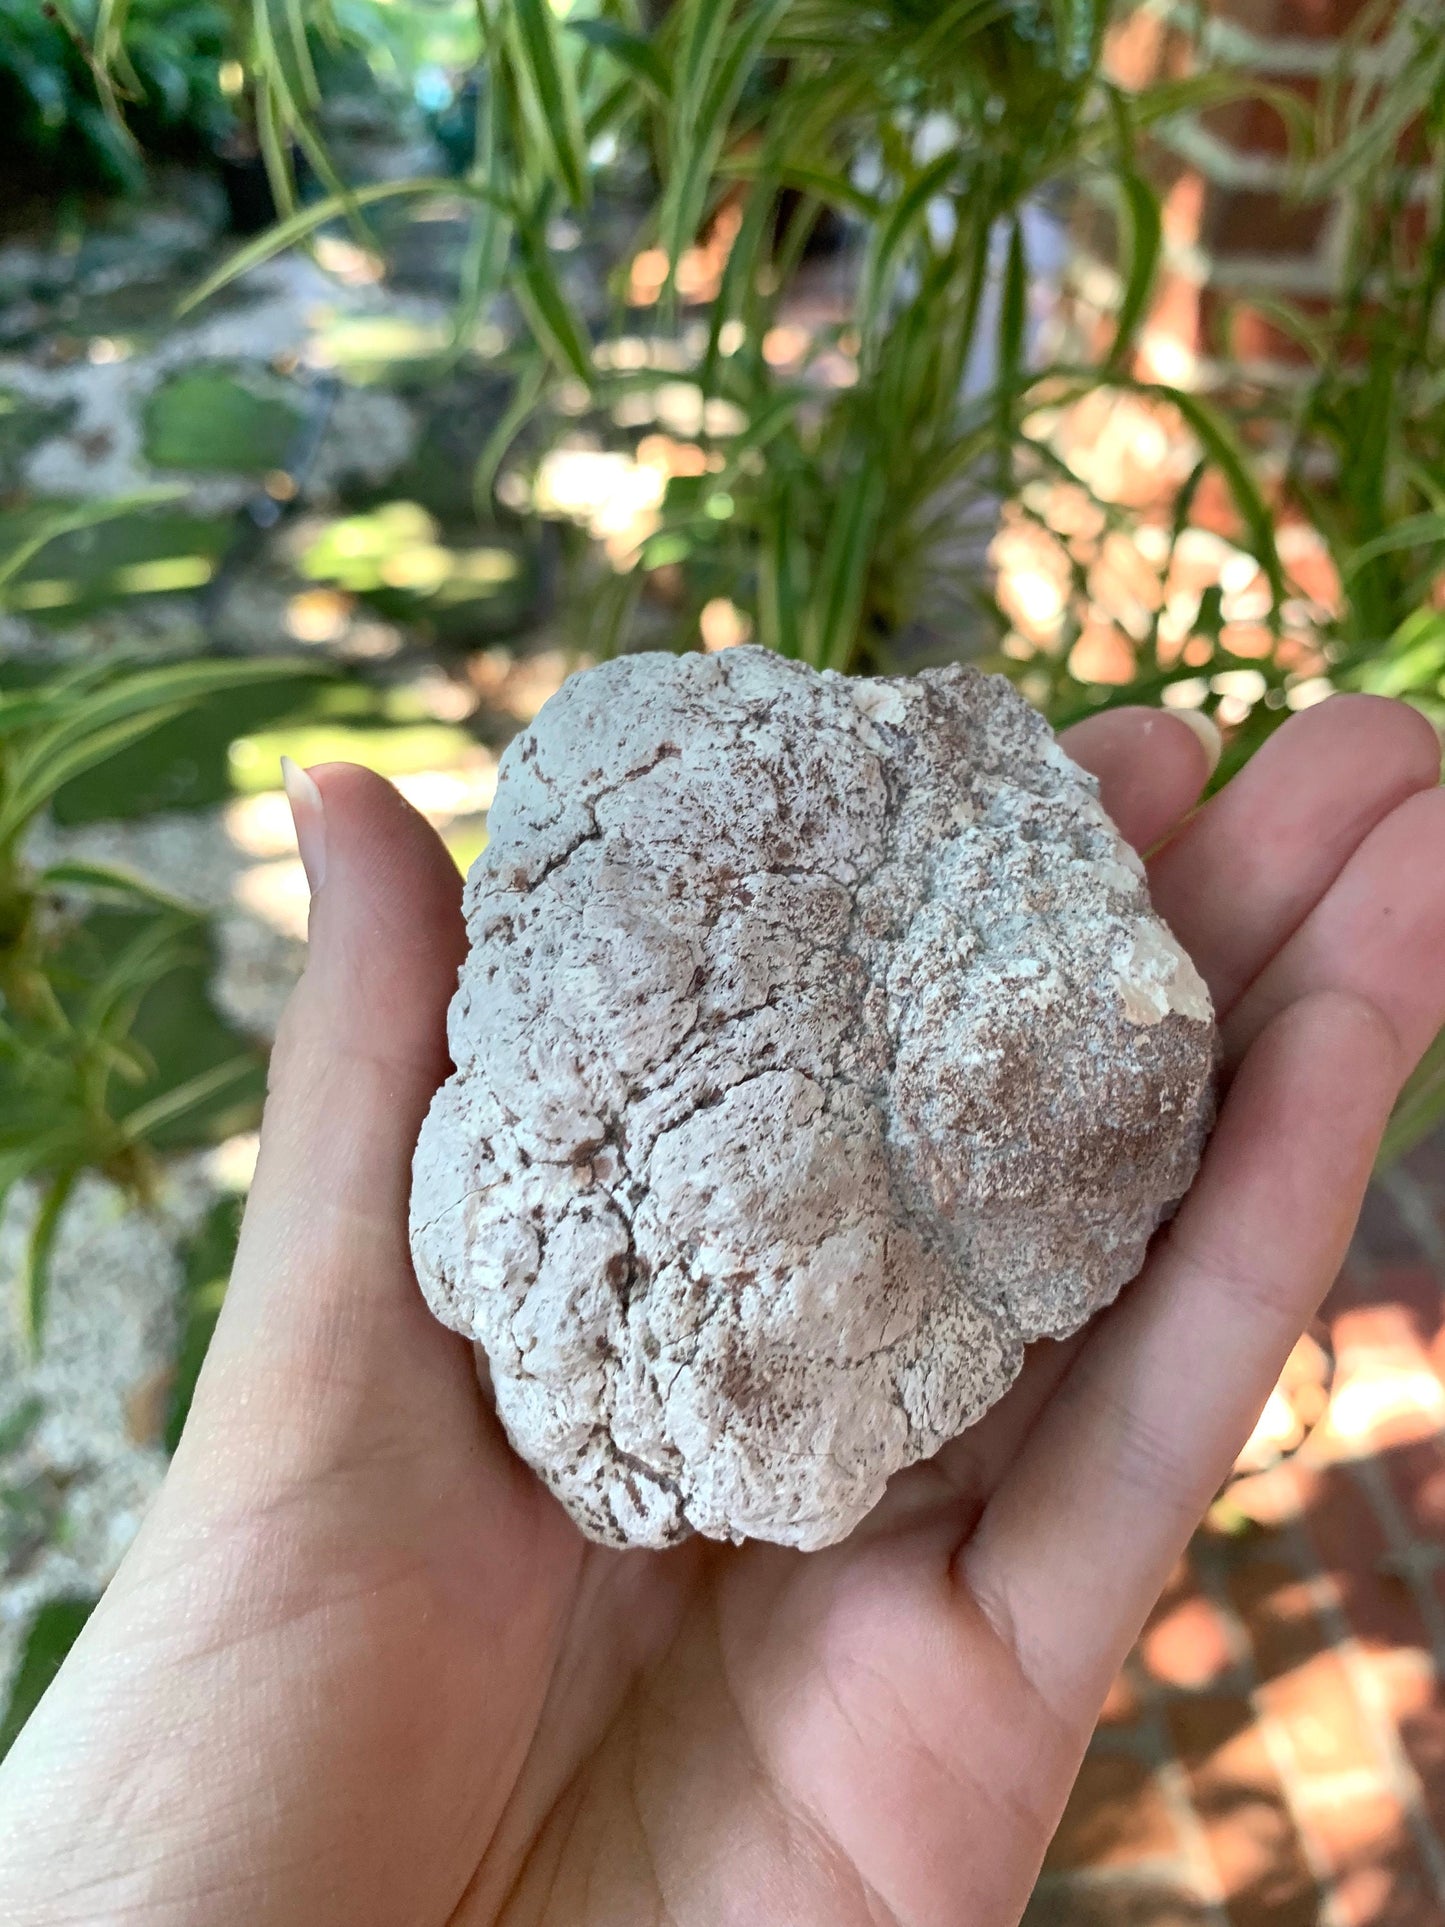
x,y
1379,930
1151,765
1074,1545
1242,874
322,1306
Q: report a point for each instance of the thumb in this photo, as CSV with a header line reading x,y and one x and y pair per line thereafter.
x,y
323,1324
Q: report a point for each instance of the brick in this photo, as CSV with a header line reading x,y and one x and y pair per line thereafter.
x,y
1387,1391
1274,1603
1417,1289
1254,221
1234,328
1116,1817
1350,1540
1422,1734
1252,1838
1188,1646
1123,1706
1293,19
1255,125
1377,1877
1117,1903
1416,1473
1319,1712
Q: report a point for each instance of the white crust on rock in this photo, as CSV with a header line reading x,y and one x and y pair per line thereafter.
x,y
816,1050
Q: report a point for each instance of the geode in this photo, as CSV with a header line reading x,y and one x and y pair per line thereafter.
x,y
817,1050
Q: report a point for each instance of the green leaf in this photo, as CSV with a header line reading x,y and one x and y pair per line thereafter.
x,y
307,220
547,76
209,1259
1222,446
632,50
1415,532
102,879
895,234
18,1427
1412,661
711,69
146,1119
301,54
1419,1108
549,313
27,799
106,719
782,578
1012,330
33,1280
84,515
530,384
1143,239
52,1632
485,261
831,630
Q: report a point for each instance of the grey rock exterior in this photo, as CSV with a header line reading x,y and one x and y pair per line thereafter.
x,y
817,1050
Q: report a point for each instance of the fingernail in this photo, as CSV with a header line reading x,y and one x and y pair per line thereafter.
x,y
1206,729
308,813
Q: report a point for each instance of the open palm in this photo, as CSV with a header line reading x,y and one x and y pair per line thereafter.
x,y
360,1668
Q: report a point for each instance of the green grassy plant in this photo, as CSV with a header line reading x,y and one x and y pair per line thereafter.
x,y
83,945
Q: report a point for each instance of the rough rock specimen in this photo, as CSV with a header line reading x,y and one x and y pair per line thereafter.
x,y
817,1049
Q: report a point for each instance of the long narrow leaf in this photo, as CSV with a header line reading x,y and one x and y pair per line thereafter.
x,y
1222,447
550,315
549,81
528,393
1415,532
633,51
831,632
1012,331
34,1276
104,880
28,798
895,234
711,71
1144,233
171,1105
83,515
306,221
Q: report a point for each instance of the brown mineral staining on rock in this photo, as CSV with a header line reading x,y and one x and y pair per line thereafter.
x,y
817,1049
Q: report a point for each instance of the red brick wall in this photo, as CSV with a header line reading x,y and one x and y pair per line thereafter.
x,y
1234,219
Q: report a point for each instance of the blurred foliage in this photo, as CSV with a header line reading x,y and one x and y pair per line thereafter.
x,y
210,417
103,1011
1367,458
65,74
52,1632
93,89
842,494
209,1257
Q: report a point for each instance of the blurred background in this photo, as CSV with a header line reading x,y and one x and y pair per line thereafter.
x,y
368,365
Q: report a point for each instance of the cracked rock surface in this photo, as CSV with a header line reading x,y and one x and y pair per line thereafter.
x,y
816,1050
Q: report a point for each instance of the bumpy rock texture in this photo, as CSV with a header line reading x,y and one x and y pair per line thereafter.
x,y
817,1049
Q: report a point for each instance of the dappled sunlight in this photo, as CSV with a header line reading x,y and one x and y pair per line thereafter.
x,y
398,546
1384,1401
616,497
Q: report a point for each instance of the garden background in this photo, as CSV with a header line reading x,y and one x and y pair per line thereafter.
x,y
367,365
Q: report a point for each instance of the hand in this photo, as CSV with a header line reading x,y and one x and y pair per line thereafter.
x,y
360,1668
